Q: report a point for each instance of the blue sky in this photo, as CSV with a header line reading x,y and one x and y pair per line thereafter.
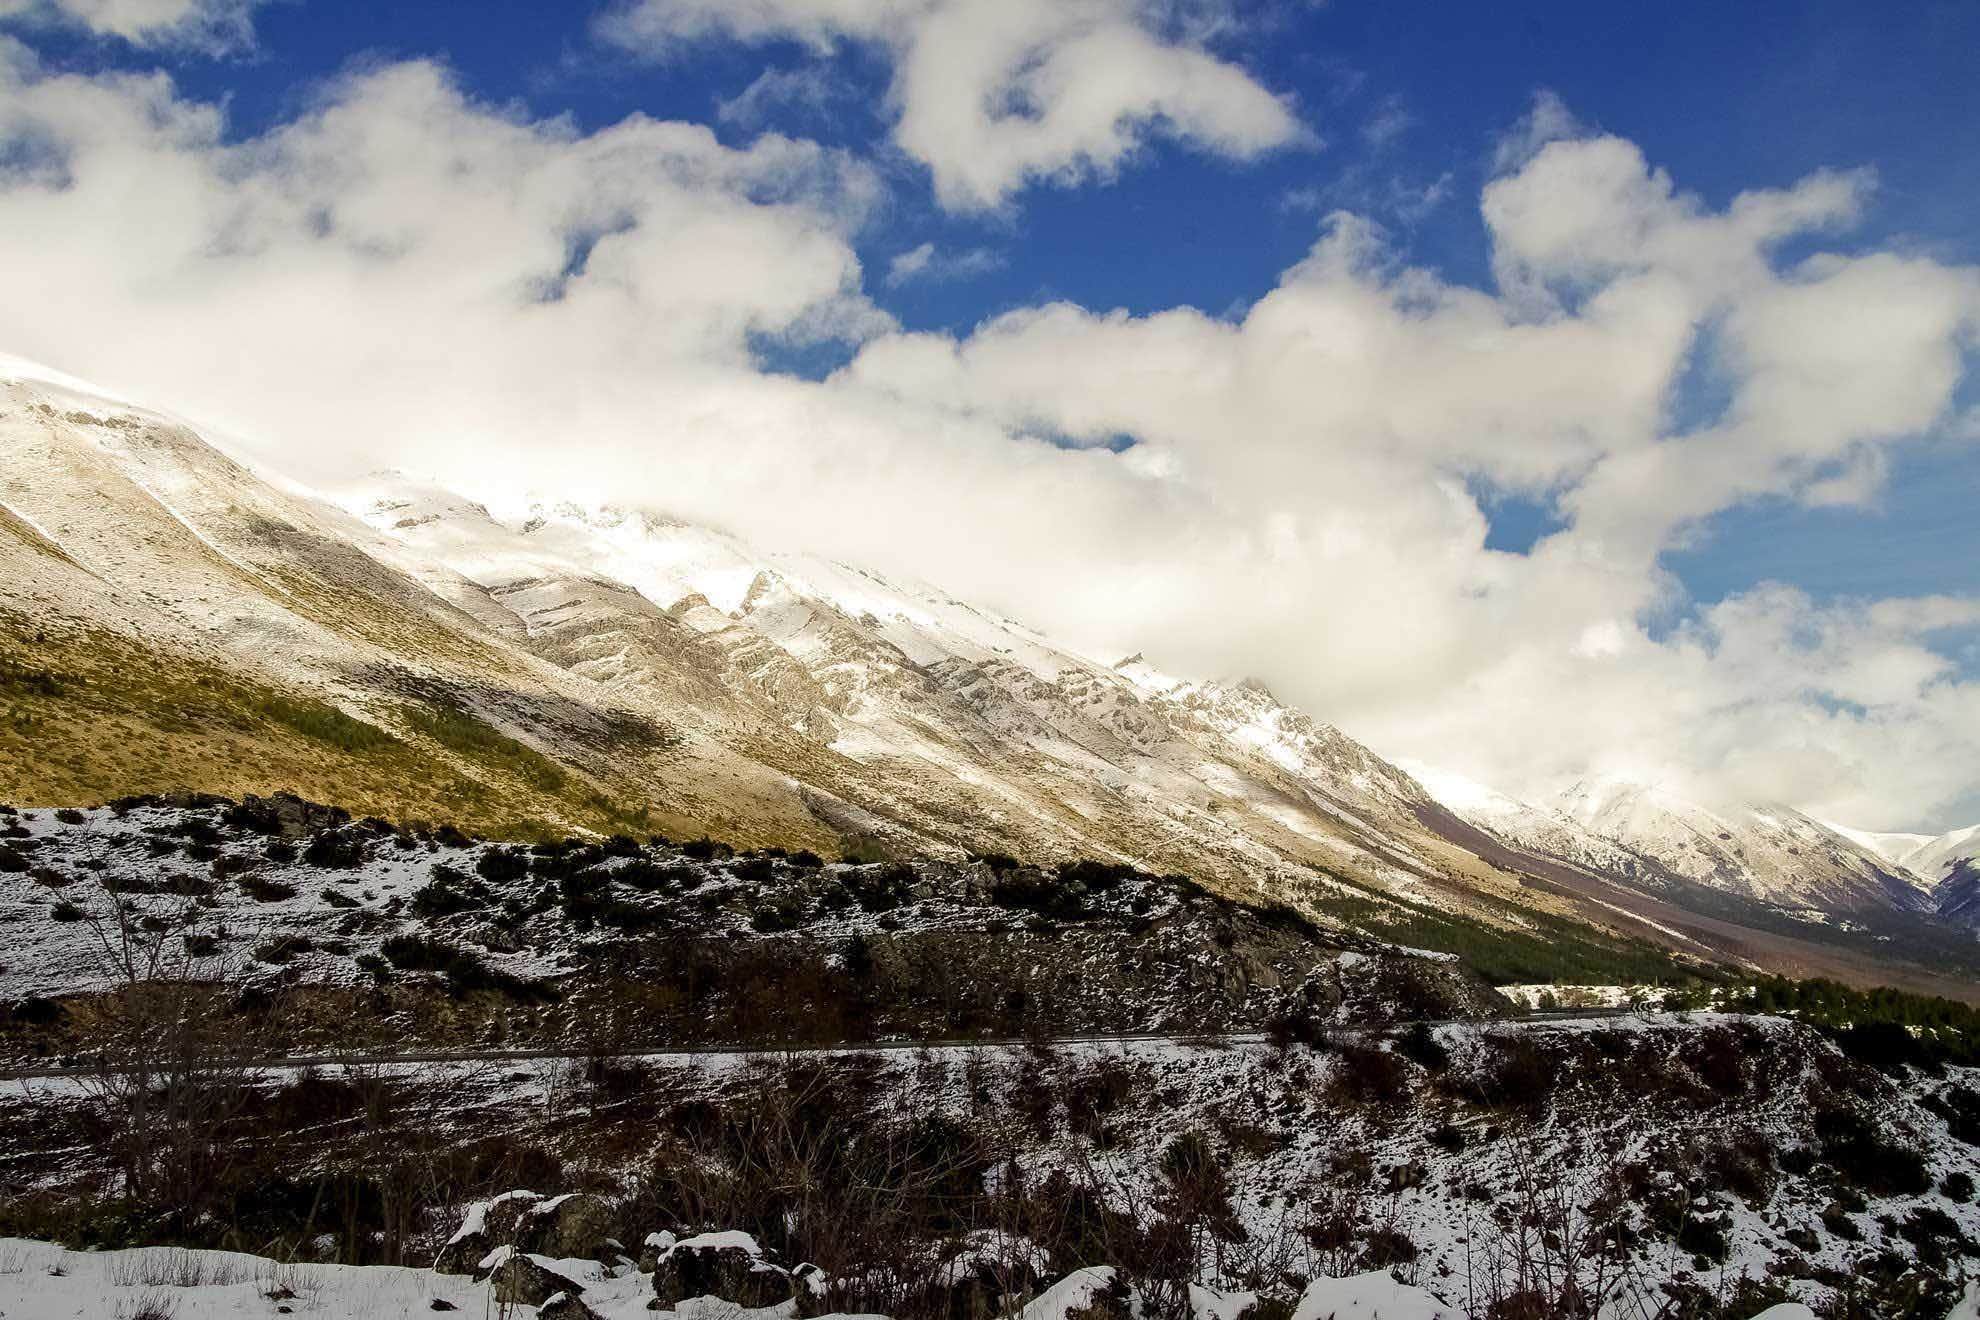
x,y
1489,526
1403,94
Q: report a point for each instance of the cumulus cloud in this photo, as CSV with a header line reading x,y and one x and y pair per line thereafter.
x,y
213,27
401,275
992,95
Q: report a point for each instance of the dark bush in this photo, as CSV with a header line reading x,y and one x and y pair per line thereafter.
x,y
66,911
500,866
781,913
283,950
806,860
1886,1046
1420,1045
69,816
334,850
263,890
1371,1075
448,891
1851,1145
1035,891
464,971
1097,876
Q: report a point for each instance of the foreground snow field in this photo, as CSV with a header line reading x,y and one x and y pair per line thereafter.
x,y
41,1281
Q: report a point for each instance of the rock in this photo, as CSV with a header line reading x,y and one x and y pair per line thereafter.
x,y
1803,1239
578,1224
284,815
564,1306
518,1278
441,1304
655,1246
485,1226
729,1265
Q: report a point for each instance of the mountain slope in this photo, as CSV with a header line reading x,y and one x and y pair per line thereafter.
x,y
1767,852
171,619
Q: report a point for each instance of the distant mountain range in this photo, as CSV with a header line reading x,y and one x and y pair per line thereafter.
x,y
171,618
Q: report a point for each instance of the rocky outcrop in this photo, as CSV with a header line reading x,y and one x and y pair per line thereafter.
x,y
520,1279
486,1226
728,1265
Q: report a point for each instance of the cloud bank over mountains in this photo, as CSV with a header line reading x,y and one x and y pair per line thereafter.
x,y
401,275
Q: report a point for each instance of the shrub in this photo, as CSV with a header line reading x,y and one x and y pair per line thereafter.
x,y
447,892
1371,1075
1420,1045
1096,876
1035,891
69,816
65,911
263,890
782,913
457,730
464,971
334,850
1851,1146
284,950
1957,1187
502,865
1886,1046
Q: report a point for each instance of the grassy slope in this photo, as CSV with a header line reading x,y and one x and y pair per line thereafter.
x,y
89,716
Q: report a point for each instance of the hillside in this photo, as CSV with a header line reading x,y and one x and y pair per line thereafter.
x,y
172,620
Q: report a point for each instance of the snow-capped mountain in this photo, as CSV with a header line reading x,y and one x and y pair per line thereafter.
x,y
588,666
172,618
1768,852
1927,856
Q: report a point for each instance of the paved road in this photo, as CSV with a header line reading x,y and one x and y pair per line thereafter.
x,y
368,1058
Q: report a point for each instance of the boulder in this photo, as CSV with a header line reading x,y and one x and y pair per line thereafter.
x,y
285,815
565,1306
655,1246
520,1279
578,1224
485,1226
730,1266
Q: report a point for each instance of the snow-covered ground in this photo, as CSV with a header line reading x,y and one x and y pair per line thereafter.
x,y
42,1281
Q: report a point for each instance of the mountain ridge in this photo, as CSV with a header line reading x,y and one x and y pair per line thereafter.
x,y
408,651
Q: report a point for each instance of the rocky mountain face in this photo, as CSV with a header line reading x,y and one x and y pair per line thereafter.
x,y
176,620
171,619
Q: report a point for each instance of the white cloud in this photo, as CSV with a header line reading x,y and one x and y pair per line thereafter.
x,y
213,27
810,91
929,263
992,95
399,275
1392,119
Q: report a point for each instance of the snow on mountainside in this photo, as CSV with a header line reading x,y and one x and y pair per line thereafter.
x,y
900,674
608,668
188,622
1933,858
1772,853
1548,831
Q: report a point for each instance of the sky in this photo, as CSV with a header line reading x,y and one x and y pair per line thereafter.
x,y
1538,391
